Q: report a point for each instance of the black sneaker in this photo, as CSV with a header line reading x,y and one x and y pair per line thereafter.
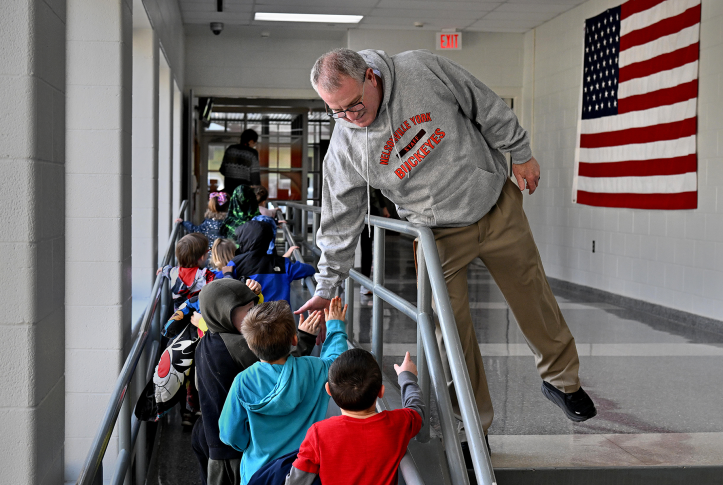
x,y
577,405
468,456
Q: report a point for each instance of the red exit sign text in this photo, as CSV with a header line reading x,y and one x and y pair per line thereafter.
x,y
449,41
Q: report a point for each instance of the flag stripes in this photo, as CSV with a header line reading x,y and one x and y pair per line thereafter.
x,y
637,134
666,26
640,168
681,92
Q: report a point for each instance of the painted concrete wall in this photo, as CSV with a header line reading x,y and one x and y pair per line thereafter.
x,y
672,258
98,218
32,243
166,21
146,55
240,62
496,59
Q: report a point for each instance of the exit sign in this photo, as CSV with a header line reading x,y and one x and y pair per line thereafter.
x,y
449,41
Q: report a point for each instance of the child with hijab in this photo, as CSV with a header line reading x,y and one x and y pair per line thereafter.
x,y
221,354
242,208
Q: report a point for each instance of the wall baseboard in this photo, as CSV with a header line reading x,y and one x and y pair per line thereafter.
x,y
670,315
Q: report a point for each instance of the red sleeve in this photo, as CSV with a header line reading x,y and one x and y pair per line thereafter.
x,y
308,458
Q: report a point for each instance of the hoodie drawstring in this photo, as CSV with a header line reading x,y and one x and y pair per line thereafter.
x,y
369,202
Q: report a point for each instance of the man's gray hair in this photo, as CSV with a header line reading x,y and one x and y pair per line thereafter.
x,y
330,68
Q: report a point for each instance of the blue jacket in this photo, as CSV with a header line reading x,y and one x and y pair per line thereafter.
x,y
275,273
269,408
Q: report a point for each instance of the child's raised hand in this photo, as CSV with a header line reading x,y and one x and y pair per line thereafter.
x,y
158,271
335,310
407,365
195,319
288,253
312,324
178,220
254,286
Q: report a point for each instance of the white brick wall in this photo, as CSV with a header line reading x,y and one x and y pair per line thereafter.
x,y
98,218
32,243
672,258
145,162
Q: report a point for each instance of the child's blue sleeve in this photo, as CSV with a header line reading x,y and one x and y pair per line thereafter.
x,y
190,227
233,424
335,342
297,270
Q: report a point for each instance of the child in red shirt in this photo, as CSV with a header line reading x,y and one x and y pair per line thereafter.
x,y
332,448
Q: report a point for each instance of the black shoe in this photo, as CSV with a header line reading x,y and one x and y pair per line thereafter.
x,y
468,456
577,405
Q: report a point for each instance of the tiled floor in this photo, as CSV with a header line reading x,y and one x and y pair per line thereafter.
x,y
658,385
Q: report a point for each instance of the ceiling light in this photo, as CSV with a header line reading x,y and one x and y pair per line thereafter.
x,y
304,17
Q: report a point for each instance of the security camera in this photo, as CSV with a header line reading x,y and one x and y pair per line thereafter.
x,y
216,27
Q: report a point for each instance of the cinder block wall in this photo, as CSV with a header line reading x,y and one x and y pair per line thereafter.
x,y
671,258
32,244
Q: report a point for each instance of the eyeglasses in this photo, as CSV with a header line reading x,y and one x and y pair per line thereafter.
x,y
351,109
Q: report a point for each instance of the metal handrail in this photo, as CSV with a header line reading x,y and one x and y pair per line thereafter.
x,y
430,286
94,460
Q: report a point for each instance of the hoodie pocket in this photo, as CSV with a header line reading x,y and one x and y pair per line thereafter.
x,y
470,201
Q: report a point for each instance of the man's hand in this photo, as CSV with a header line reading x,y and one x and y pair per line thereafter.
x,y
178,220
407,365
314,303
527,172
254,286
335,311
385,212
288,253
312,324
158,271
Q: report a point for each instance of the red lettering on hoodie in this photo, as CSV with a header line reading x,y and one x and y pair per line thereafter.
x,y
400,173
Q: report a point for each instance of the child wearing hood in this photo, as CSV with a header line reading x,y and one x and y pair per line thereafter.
x,y
272,404
222,354
275,273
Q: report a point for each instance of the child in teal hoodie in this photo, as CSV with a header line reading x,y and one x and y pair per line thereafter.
x,y
273,403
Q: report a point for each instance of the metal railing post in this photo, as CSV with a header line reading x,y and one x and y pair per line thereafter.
x,y
98,479
304,226
297,222
455,460
349,300
378,308
458,365
124,431
424,306
140,444
314,227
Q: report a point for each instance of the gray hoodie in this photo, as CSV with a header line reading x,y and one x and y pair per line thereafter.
x,y
435,150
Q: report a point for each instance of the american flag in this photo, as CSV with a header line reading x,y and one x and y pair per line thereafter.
x,y
637,130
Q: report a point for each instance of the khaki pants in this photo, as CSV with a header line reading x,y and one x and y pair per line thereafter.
x,y
503,240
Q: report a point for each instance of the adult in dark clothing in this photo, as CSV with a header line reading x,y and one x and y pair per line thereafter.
x,y
240,165
221,354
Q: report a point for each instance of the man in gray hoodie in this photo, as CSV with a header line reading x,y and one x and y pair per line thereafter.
x,y
431,137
